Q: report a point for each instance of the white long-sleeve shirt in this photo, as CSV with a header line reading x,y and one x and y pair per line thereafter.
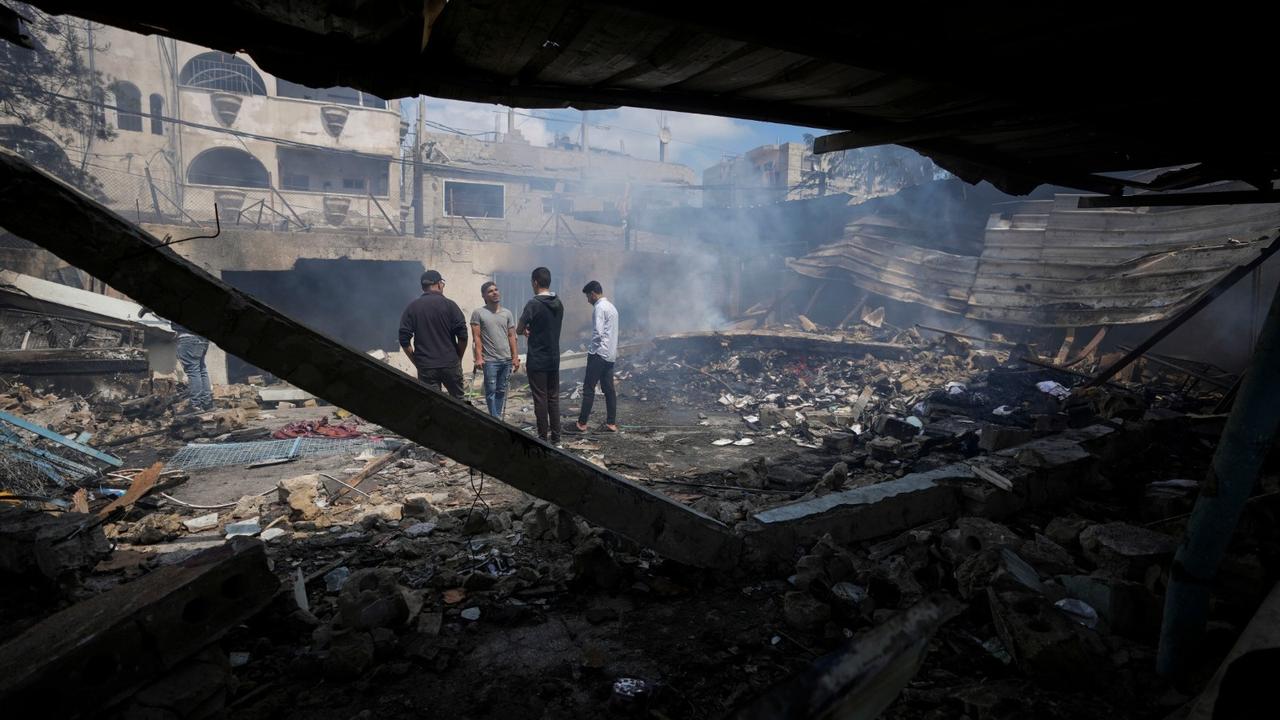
x,y
604,331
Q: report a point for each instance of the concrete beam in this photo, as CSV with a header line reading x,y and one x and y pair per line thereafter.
x,y
114,250
83,659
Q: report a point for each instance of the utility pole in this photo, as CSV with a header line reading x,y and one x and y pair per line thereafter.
x,y
584,132
417,168
511,121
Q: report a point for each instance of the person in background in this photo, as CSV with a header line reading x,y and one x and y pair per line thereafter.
x,y
493,330
602,353
191,351
433,334
540,321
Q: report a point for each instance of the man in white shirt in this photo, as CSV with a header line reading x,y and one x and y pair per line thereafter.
x,y
602,353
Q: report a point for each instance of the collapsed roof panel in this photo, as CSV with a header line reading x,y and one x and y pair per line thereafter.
x,y
1049,264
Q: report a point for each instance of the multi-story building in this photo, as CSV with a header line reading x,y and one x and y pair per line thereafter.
x,y
194,127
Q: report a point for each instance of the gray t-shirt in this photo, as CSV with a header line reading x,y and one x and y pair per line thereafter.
x,y
493,331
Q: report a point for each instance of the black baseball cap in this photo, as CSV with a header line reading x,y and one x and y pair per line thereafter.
x,y
431,277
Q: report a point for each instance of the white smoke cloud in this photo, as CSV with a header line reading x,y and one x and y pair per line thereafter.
x,y
696,140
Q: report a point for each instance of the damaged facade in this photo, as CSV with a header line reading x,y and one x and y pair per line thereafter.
x,y
917,456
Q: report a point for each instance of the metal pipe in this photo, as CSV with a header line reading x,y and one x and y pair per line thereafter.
x,y
1246,439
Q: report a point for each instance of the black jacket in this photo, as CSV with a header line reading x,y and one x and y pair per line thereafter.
x,y
542,316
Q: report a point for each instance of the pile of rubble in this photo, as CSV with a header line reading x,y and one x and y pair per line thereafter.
x,y
928,496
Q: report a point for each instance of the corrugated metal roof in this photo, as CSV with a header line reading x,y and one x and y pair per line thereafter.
x,y
1046,263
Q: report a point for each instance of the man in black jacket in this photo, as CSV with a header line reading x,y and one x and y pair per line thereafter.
x,y
433,334
541,322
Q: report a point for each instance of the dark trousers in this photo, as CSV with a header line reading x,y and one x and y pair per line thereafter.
x,y
600,371
546,402
450,377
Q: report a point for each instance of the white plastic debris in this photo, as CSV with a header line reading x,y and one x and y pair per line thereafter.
x,y
1002,411
722,442
271,534
725,399
751,419
471,613
1079,610
955,388
1054,388
916,422
203,522
800,418
744,442
856,428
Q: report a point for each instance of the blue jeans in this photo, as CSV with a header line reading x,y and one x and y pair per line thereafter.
x,y
496,374
191,352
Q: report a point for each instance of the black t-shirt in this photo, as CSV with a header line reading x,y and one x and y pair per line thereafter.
x,y
434,323
543,315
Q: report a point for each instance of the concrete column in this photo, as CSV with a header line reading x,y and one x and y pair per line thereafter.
x,y
216,362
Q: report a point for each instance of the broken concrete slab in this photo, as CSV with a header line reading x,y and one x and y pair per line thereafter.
x,y
135,632
301,494
372,599
1128,608
861,678
1043,640
1127,551
128,259
858,514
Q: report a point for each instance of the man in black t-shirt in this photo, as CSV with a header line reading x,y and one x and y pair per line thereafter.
x,y
541,322
433,334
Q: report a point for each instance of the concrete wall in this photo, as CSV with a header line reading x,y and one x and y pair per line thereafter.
x,y
153,65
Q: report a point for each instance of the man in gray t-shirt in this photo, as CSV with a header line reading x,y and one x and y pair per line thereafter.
x,y
493,328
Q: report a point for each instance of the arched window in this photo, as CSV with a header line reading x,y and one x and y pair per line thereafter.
x,y
228,166
128,106
221,71
157,114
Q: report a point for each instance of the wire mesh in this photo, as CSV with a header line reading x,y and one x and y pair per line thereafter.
x,y
207,455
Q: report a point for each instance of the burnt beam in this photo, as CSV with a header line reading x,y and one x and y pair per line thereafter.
x,y
110,645
128,259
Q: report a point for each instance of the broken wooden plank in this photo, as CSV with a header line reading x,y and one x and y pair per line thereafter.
x,y
128,259
55,545
108,646
142,484
1089,349
1067,341
371,469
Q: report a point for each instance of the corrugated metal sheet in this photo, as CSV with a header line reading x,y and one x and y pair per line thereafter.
x,y
879,256
1047,263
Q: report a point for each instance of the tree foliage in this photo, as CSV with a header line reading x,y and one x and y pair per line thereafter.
x,y
43,94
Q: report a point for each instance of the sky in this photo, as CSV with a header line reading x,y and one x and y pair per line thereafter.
x,y
698,141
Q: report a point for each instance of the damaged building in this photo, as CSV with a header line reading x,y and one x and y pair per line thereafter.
x,y
997,442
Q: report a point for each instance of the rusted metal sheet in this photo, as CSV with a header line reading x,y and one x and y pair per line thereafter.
x,y
1049,264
